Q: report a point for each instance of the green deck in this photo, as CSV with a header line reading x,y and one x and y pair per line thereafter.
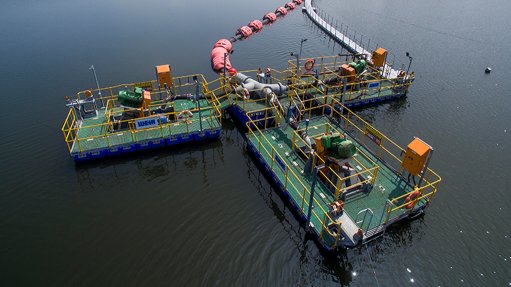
x,y
93,133
251,105
388,185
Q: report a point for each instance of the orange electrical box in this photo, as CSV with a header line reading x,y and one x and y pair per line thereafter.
x,y
163,76
379,56
319,146
347,70
415,156
147,98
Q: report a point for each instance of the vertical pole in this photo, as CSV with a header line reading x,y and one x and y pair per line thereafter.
x,y
197,89
344,87
97,84
225,61
409,64
311,199
425,168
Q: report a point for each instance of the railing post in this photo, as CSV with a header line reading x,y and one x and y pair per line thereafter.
x,y
389,210
272,157
303,197
338,188
323,226
293,141
287,169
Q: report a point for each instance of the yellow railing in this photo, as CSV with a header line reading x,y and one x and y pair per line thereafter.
x,y
76,133
178,83
366,172
291,179
328,68
388,152
69,129
72,133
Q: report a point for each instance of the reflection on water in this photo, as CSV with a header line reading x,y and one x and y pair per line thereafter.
x,y
151,165
204,215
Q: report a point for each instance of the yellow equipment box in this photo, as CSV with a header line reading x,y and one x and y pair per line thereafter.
x,y
416,156
347,70
163,76
379,56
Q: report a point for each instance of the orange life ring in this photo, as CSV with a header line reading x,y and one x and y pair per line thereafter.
x,y
181,115
411,199
245,93
309,65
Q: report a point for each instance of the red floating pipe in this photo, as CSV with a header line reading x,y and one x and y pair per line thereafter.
x,y
220,49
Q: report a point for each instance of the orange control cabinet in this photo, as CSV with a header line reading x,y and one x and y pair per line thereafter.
x,y
379,56
347,70
163,75
147,99
416,156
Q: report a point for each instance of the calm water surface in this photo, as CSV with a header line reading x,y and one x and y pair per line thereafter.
x,y
204,215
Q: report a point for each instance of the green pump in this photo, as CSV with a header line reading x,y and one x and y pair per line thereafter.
x,y
131,99
359,66
338,147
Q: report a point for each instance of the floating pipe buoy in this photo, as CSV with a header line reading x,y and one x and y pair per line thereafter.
x,y
220,53
281,10
290,5
256,25
271,17
220,49
245,31
488,70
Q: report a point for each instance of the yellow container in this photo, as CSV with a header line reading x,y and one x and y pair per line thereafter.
x,y
379,56
415,156
163,76
347,70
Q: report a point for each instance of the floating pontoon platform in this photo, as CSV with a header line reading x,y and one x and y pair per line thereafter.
x,y
375,194
96,126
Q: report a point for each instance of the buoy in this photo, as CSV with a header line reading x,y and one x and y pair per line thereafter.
x,y
271,17
221,47
256,25
488,70
281,10
290,5
245,31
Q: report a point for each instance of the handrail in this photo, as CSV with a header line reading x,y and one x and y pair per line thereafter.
x,y
360,126
293,174
106,131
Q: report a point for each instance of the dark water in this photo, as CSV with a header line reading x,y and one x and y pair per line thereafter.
x,y
204,215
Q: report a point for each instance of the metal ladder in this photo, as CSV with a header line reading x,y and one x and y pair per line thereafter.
x,y
366,211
